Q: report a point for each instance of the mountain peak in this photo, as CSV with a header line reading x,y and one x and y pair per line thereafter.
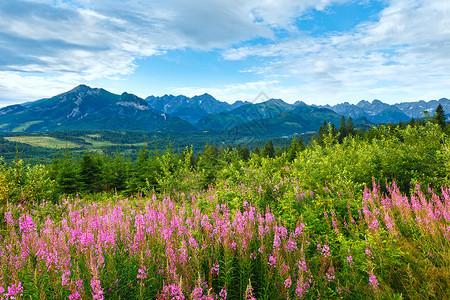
x,y
80,88
205,96
300,102
363,102
377,102
276,102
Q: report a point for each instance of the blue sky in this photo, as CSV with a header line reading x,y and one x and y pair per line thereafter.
x,y
317,51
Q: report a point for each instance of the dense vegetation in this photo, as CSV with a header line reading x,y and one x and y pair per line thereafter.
x,y
41,146
350,215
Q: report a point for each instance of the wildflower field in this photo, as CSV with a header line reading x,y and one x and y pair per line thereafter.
x,y
323,225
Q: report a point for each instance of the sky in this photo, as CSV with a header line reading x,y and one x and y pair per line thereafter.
x,y
317,51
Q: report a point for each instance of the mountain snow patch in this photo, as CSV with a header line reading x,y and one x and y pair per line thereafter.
x,y
133,104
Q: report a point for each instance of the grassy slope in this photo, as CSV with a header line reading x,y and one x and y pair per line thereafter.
x,y
42,141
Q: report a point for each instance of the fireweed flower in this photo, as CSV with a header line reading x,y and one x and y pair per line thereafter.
x,y
291,245
26,224
74,296
302,266
14,290
288,282
299,229
326,251
65,277
141,273
223,294
373,282
350,260
215,269
9,219
330,274
272,261
97,291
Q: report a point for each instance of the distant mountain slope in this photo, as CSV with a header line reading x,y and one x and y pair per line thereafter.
x,y
416,109
263,110
379,112
297,120
245,113
87,108
190,109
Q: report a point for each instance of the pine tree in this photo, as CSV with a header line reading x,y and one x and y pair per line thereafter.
x,y
334,130
89,173
67,177
268,150
439,116
208,165
244,153
292,150
343,131
323,132
278,152
256,151
350,126
119,173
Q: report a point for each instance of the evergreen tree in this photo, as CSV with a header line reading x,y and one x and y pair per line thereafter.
x,y
350,126
278,152
67,177
268,150
137,179
90,173
294,148
119,172
256,151
334,130
343,131
208,165
439,116
244,153
323,132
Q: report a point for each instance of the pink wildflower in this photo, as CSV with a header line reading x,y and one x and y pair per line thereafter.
x,y
97,291
350,260
223,294
215,269
288,282
272,261
26,224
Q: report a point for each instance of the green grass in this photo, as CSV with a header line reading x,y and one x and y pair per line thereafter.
x,y
42,141
24,126
104,143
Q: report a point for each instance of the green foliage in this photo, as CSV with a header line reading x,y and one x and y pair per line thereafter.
x,y
268,150
439,116
90,173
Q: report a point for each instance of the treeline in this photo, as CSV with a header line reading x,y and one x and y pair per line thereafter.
x,y
154,171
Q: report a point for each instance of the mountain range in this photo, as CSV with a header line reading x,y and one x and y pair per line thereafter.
x,y
379,112
86,108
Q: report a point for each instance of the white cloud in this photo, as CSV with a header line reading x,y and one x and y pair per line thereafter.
x,y
404,54
15,83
